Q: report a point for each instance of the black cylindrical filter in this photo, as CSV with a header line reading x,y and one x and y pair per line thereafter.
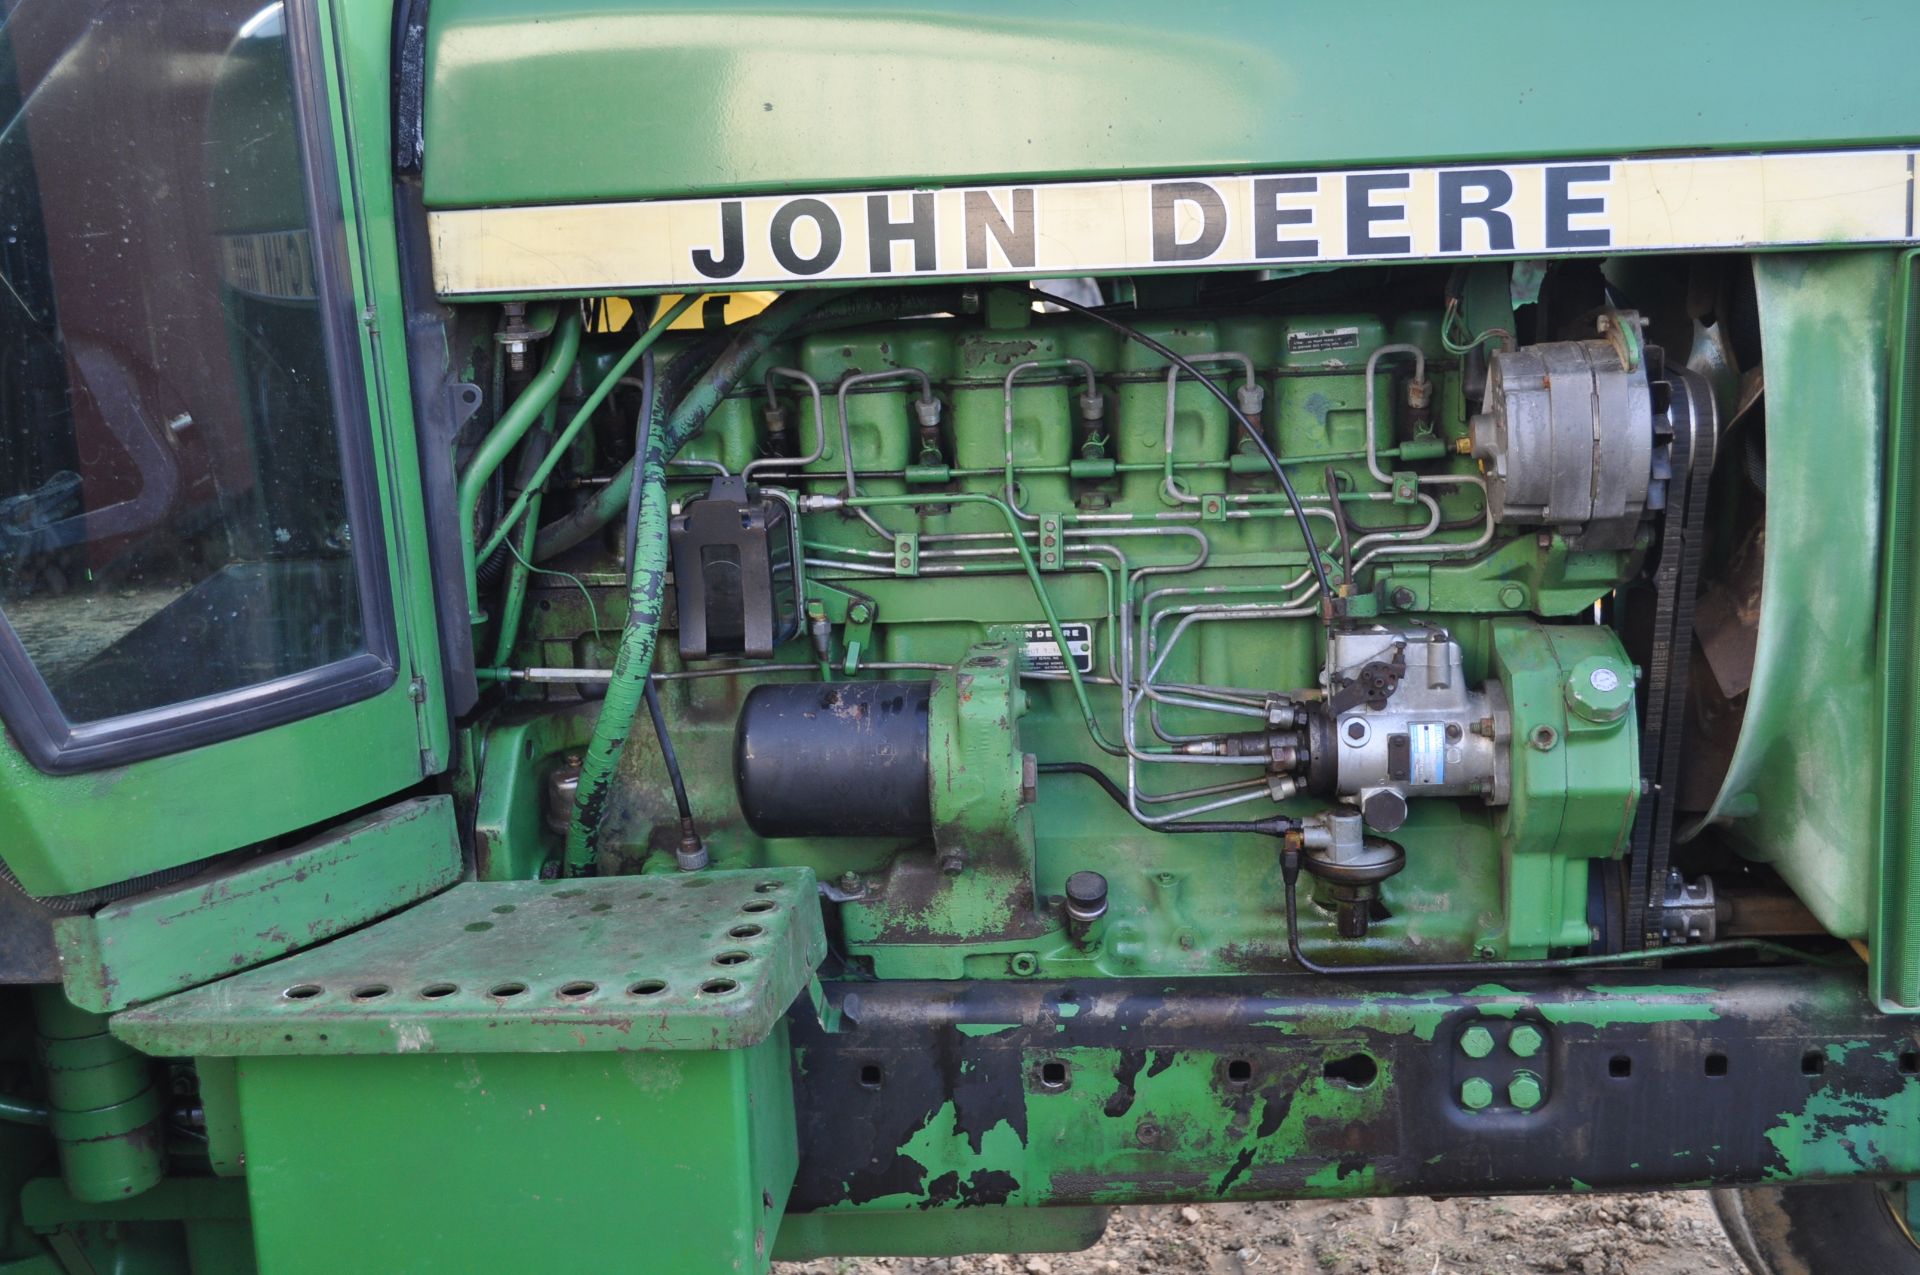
x,y
835,759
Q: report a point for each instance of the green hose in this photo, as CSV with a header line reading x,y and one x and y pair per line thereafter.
x,y
646,585
520,571
621,367
23,1111
505,436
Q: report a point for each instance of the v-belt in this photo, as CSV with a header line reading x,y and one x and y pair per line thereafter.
x,y
1664,687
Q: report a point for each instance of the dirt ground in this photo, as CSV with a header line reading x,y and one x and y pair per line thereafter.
x,y
1674,1233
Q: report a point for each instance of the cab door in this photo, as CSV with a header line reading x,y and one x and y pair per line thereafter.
x,y
215,626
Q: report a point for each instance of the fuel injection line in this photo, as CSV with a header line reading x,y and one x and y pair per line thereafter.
x,y
1247,427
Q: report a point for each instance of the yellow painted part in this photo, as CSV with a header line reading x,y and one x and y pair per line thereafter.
x,y
738,306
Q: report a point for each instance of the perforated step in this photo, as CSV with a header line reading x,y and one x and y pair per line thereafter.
x,y
706,960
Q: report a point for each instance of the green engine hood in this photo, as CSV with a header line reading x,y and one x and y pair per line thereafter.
x,y
579,100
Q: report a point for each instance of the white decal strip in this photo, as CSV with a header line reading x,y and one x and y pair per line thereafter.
x,y
1073,228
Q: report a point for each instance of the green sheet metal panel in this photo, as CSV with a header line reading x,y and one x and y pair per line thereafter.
x,y
663,1162
537,104
1799,792
154,944
1896,936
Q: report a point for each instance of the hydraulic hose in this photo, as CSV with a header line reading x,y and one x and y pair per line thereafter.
x,y
610,501
647,565
653,332
542,390
23,1110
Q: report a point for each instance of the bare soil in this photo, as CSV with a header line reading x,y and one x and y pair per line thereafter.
x,y
1673,1233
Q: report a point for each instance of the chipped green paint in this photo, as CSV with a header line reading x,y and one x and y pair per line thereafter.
x,y
985,1029
1608,1011
155,944
1838,1131
1416,1014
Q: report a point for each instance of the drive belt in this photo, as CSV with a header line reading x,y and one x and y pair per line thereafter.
x,y
1695,431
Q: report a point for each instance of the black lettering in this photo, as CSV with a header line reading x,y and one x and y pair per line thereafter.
x,y
733,248
983,218
1268,217
1167,197
882,233
780,236
1362,213
1562,208
1455,207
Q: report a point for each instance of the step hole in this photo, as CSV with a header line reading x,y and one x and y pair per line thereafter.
x,y
647,987
1054,1074
1813,1062
1356,1071
370,991
767,887
1715,1065
732,958
577,989
1910,1063
1619,1066
759,905
718,986
745,932
871,1075
302,991
438,991
504,990
1239,1071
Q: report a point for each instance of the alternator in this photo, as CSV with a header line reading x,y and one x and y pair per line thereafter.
x,y
1574,434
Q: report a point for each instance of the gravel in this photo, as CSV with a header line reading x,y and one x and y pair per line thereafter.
x,y
1672,1233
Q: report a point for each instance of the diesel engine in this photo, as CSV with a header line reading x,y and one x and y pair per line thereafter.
x,y
1231,623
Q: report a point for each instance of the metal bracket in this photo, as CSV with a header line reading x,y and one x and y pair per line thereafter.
x,y
906,553
1053,542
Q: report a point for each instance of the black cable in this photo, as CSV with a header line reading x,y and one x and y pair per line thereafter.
x,y
1345,539
667,753
1278,825
1246,426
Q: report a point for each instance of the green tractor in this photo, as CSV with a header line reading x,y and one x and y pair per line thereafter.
x,y
662,637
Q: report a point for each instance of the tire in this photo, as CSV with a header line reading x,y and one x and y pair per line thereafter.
x,y
1846,1229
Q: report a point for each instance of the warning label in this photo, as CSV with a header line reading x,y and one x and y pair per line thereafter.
x,y
1041,654
1325,339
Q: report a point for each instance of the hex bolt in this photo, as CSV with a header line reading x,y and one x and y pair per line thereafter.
x,y
1476,1094
1525,1041
1476,1042
1403,598
1523,1091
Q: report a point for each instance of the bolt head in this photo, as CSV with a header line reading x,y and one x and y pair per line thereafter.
x,y
1476,1042
1525,1041
1523,1091
1403,598
1476,1094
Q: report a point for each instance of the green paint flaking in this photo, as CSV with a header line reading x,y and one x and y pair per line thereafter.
x,y
1837,1132
984,1029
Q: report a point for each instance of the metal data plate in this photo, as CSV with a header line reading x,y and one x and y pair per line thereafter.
x,y
705,960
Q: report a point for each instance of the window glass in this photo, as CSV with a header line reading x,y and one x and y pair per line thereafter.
x,y
173,518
